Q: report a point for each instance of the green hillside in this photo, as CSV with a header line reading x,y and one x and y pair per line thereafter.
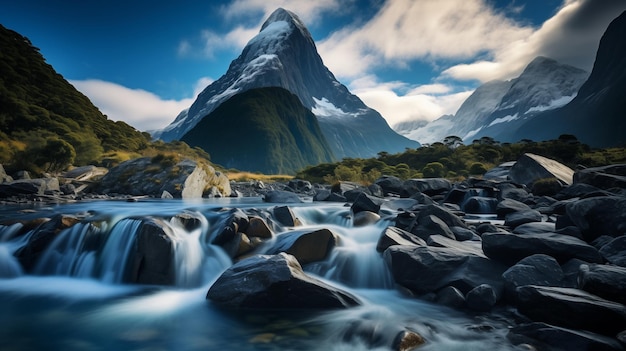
x,y
262,130
41,113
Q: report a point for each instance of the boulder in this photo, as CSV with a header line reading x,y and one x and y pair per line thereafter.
x,y
275,282
285,216
571,271
364,218
151,260
469,247
258,228
576,190
501,172
482,298
444,214
391,185
507,206
431,225
85,173
300,185
396,236
426,270
514,192
4,177
480,205
451,297
305,246
510,248
281,196
463,234
599,216
530,167
428,186
537,269
544,336
615,251
376,335
606,281
535,228
515,219
152,175
605,177
571,308
364,202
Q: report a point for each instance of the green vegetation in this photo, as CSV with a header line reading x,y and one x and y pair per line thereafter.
x,y
452,159
262,130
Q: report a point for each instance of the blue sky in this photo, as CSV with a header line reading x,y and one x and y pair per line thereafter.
x,y
144,61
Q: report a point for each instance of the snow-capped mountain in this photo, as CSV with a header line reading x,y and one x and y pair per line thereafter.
x,y
284,55
597,115
498,107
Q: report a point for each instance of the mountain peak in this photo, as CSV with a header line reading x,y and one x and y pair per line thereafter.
x,y
281,15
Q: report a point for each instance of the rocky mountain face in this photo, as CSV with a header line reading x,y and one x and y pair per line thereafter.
x,y
597,114
283,54
262,130
497,107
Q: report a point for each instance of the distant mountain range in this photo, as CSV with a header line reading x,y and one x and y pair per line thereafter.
x,y
547,100
284,55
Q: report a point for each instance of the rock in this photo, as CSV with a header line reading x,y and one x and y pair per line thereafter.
x,y
571,308
365,202
166,195
352,195
23,175
576,190
281,196
501,172
426,270
275,282
480,205
513,192
482,298
547,187
85,173
41,237
428,186
258,228
529,168
515,219
463,234
507,206
342,187
615,251
451,297
321,195
407,340
537,269
285,216
510,248
151,176
571,271
601,241
549,337
300,185
373,334
306,247
605,177
470,247
376,190
432,225
151,260
391,185
599,216
396,236
456,195
449,218
23,187
606,281
535,228
4,177
190,220
364,218
400,204
229,236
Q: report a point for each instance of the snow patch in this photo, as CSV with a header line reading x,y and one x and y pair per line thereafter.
x,y
556,103
471,133
324,109
504,119
271,38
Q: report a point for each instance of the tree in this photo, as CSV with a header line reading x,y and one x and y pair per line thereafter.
x,y
57,154
452,141
433,170
477,168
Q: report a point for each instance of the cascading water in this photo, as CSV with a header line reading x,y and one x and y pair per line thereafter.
x,y
111,266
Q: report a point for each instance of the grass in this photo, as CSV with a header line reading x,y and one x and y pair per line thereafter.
x,y
241,176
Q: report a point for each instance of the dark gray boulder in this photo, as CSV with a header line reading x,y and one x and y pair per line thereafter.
x,y
510,248
544,336
151,259
444,214
305,246
364,202
605,177
576,190
431,225
482,298
606,281
535,228
597,216
615,251
571,308
515,219
539,269
571,271
480,205
285,216
395,236
428,186
463,234
365,218
281,196
507,206
391,185
451,297
530,167
426,270
275,282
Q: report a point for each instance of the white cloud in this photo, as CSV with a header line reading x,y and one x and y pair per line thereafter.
x,y
139,108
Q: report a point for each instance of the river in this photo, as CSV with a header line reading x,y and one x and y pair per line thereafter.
x,y
75,300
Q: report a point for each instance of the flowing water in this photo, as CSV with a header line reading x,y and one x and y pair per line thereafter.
x,y
75,299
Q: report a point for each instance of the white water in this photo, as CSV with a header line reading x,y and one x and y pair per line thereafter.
x,y
77,299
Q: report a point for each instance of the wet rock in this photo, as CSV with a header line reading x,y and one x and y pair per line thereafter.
x,y
300,185
482,298
501,172
9,266
606,281
364,218
529,168
407,340
365,202
538,269
285,216
321,195
507,206
428,186
571,270
306,247
510,248
190,220
599,216
605,177
571,308
480,205
535,228
549,337
258,228
515,219
428,269
396,236
151,260
23,187
275,282
444,214
472,248
615,251
391,185
281,196
513,192
431,225
463,234
451,297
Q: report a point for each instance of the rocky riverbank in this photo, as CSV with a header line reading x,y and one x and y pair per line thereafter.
x,y
553,259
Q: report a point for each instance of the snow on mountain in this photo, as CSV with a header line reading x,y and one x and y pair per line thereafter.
x,y
497,107
283,54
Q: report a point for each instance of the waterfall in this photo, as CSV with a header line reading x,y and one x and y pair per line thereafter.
x,y
9,267
112,259
7,232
